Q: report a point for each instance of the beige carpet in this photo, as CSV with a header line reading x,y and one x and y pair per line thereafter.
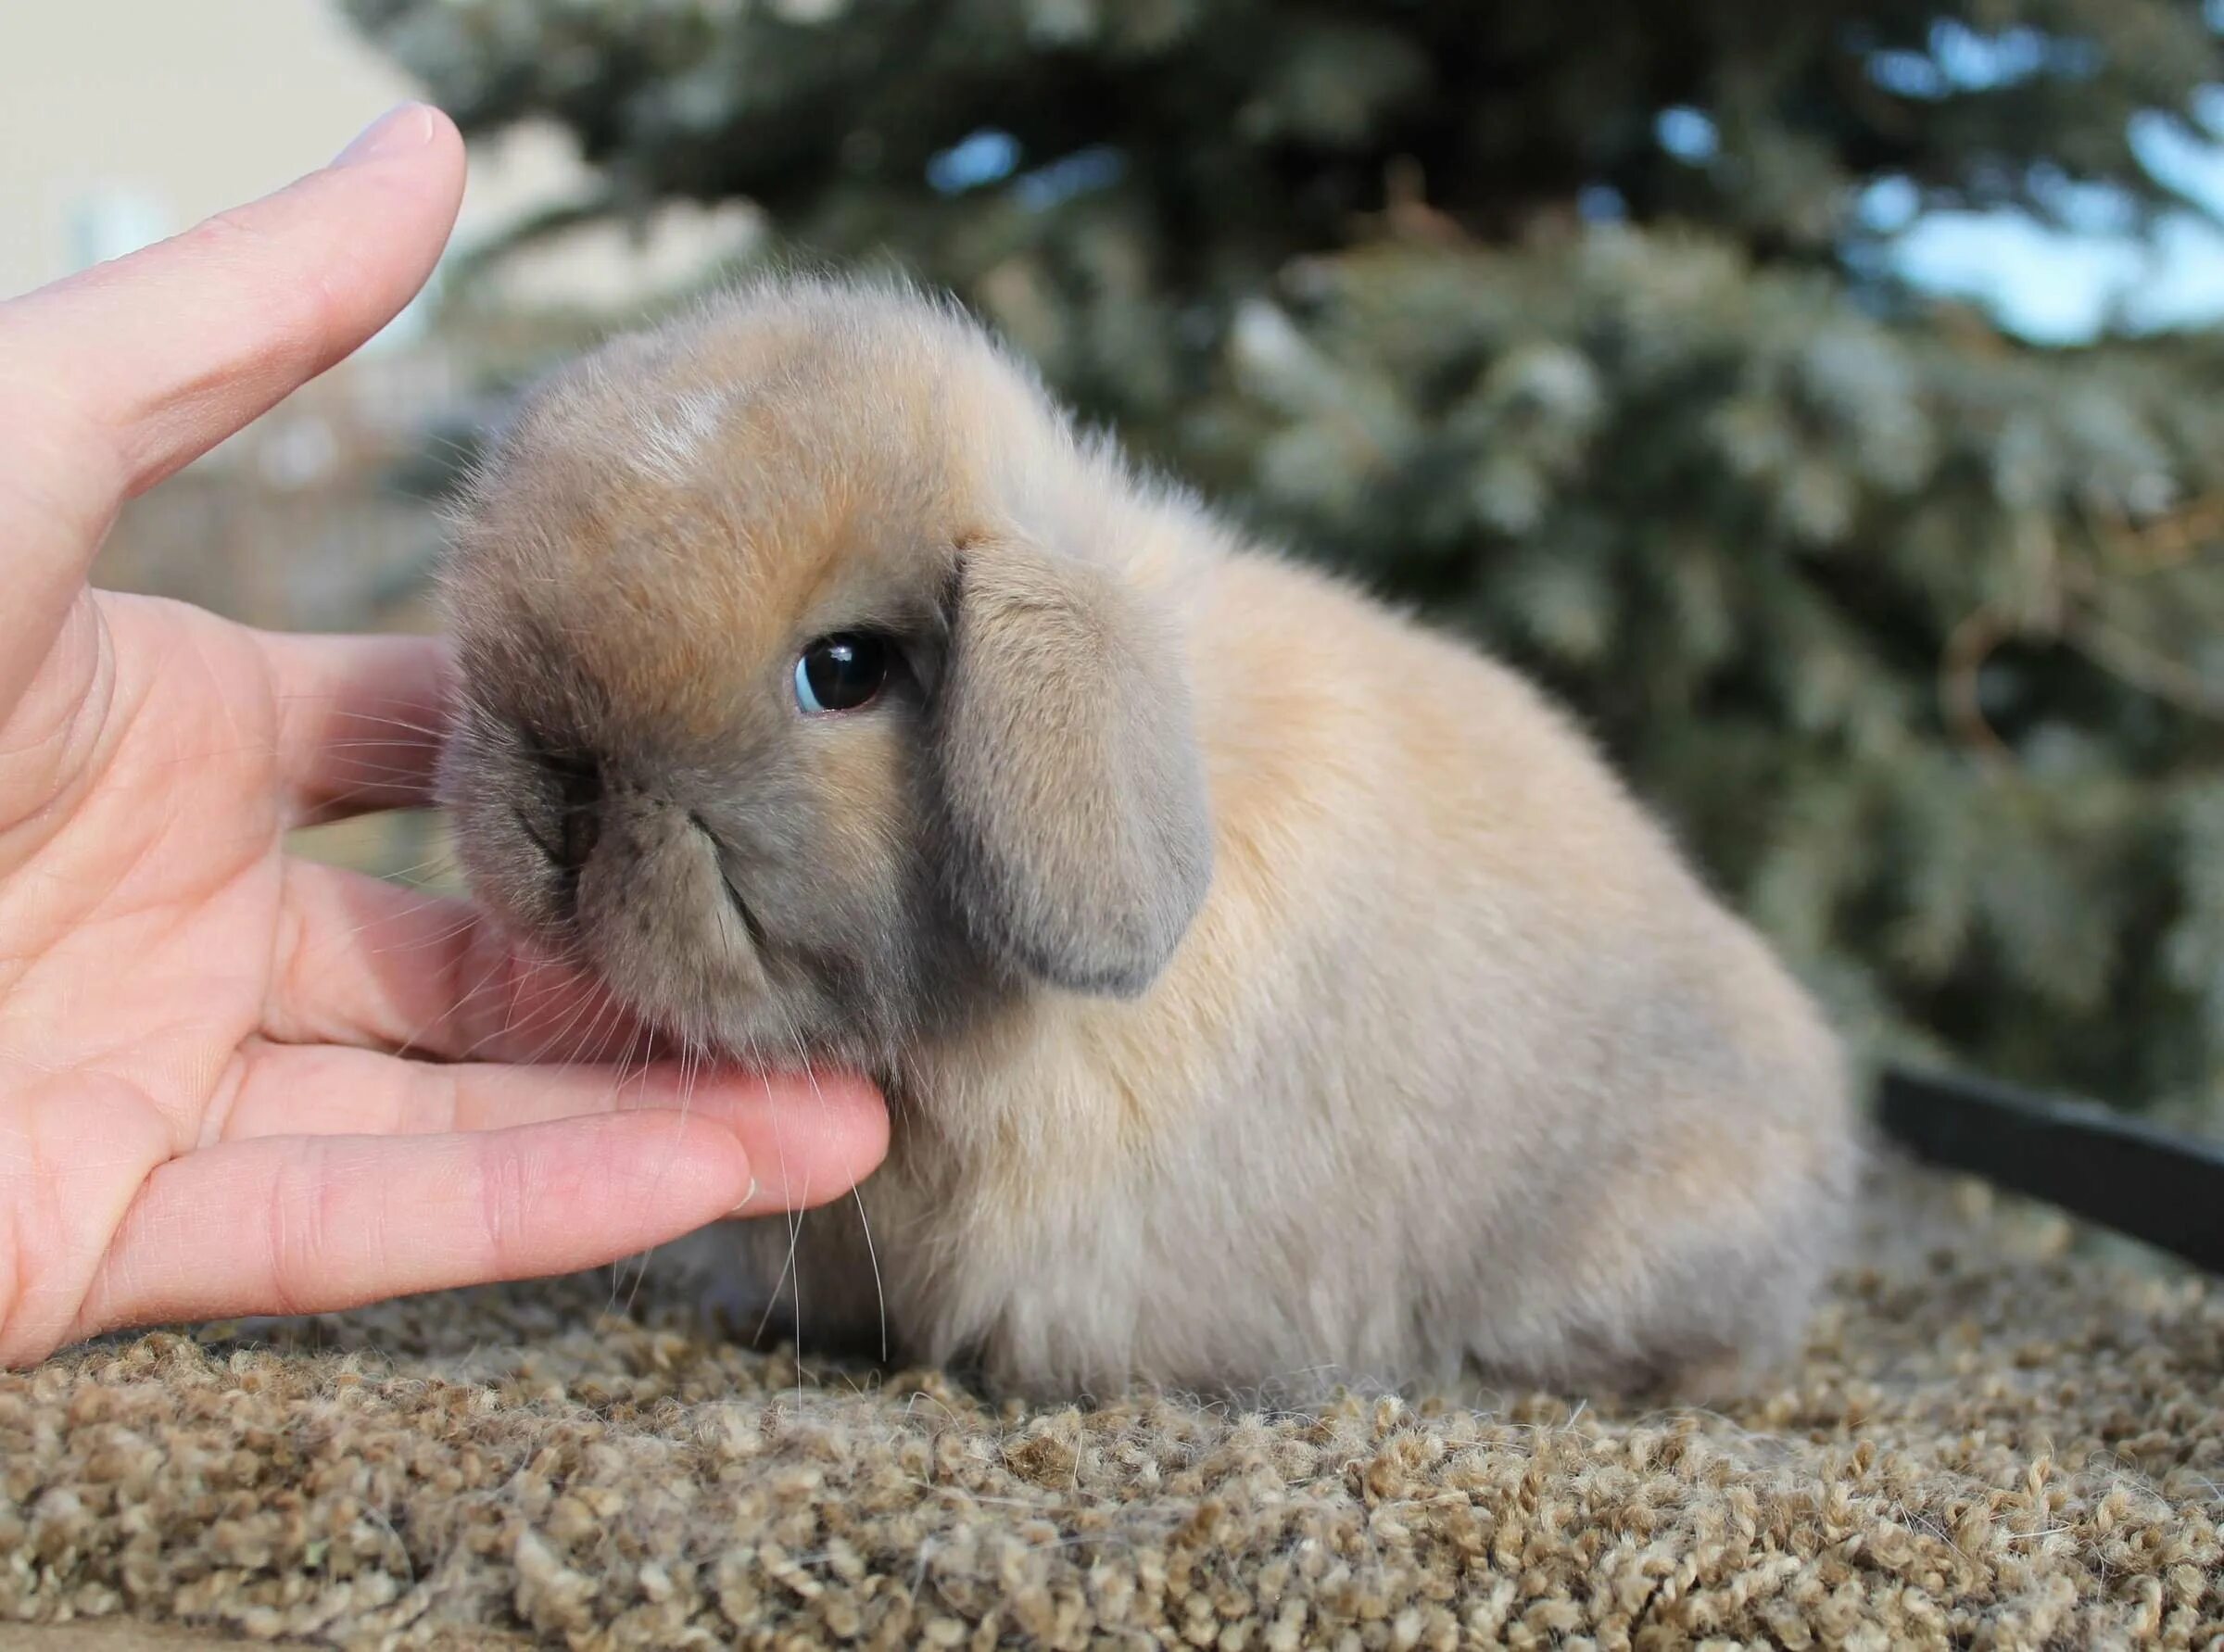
x,y
1996,1440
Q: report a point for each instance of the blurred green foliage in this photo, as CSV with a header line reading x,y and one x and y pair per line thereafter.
x,y
1568,320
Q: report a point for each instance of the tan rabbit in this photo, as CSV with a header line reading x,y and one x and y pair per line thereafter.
x,y
1266,989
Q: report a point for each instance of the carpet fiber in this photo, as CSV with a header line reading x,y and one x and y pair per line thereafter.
x,y
1996,1437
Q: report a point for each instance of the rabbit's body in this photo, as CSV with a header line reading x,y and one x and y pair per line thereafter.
x,y
1414,1041
1574,1123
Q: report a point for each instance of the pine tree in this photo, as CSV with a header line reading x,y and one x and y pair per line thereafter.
x,y
1569,322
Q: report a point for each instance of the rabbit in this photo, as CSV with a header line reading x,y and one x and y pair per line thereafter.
x,y
1267,990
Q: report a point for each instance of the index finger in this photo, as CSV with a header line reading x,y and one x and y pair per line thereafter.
x,y
361,721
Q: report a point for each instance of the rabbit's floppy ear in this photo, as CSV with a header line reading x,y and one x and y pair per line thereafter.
x,y
1072,783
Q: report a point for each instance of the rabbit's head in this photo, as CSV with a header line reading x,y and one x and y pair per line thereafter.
x,y
808,696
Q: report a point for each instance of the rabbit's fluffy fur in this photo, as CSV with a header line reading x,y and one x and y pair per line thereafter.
x,y
1267,989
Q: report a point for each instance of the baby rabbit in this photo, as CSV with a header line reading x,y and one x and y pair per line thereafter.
x,y
1264,987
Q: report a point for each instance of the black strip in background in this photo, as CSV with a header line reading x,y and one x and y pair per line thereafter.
x,y
2154,1185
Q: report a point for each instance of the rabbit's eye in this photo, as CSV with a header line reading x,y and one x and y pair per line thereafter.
x,y
842,673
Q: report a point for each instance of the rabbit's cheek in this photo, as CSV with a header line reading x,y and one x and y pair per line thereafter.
x,y
501,846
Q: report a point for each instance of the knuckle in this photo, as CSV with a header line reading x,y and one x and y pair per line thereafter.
x,y
506,1204
293,305
306,1218
233,227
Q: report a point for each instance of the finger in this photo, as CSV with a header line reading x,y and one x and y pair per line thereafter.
x,y
810,1137
112,379
360,721
286,1225
169,350
364,962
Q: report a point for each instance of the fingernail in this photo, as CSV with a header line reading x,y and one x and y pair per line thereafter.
x,y
747,1198
401,129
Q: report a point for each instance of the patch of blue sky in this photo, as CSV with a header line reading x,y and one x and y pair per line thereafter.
x,y
2061,282
2087,272
2067,283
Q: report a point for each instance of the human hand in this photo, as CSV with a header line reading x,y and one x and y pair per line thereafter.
x,y
209,1104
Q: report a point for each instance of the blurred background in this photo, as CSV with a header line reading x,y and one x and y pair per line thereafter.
x,y
1823,398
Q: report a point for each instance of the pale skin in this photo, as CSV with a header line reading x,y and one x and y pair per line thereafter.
x,y
232,1081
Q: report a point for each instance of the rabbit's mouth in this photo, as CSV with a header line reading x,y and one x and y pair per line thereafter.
x,y
751,925
660,915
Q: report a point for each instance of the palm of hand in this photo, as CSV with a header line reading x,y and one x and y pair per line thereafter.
x,y
210,1097
140,883
158,855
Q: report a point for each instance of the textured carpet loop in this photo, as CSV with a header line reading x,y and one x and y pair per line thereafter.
x,y
1991,1443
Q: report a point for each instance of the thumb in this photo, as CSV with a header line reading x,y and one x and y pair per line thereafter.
x,y
112,379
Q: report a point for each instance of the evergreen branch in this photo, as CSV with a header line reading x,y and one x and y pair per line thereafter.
x,y
1407,213
2132,662
1968,646
2168,541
